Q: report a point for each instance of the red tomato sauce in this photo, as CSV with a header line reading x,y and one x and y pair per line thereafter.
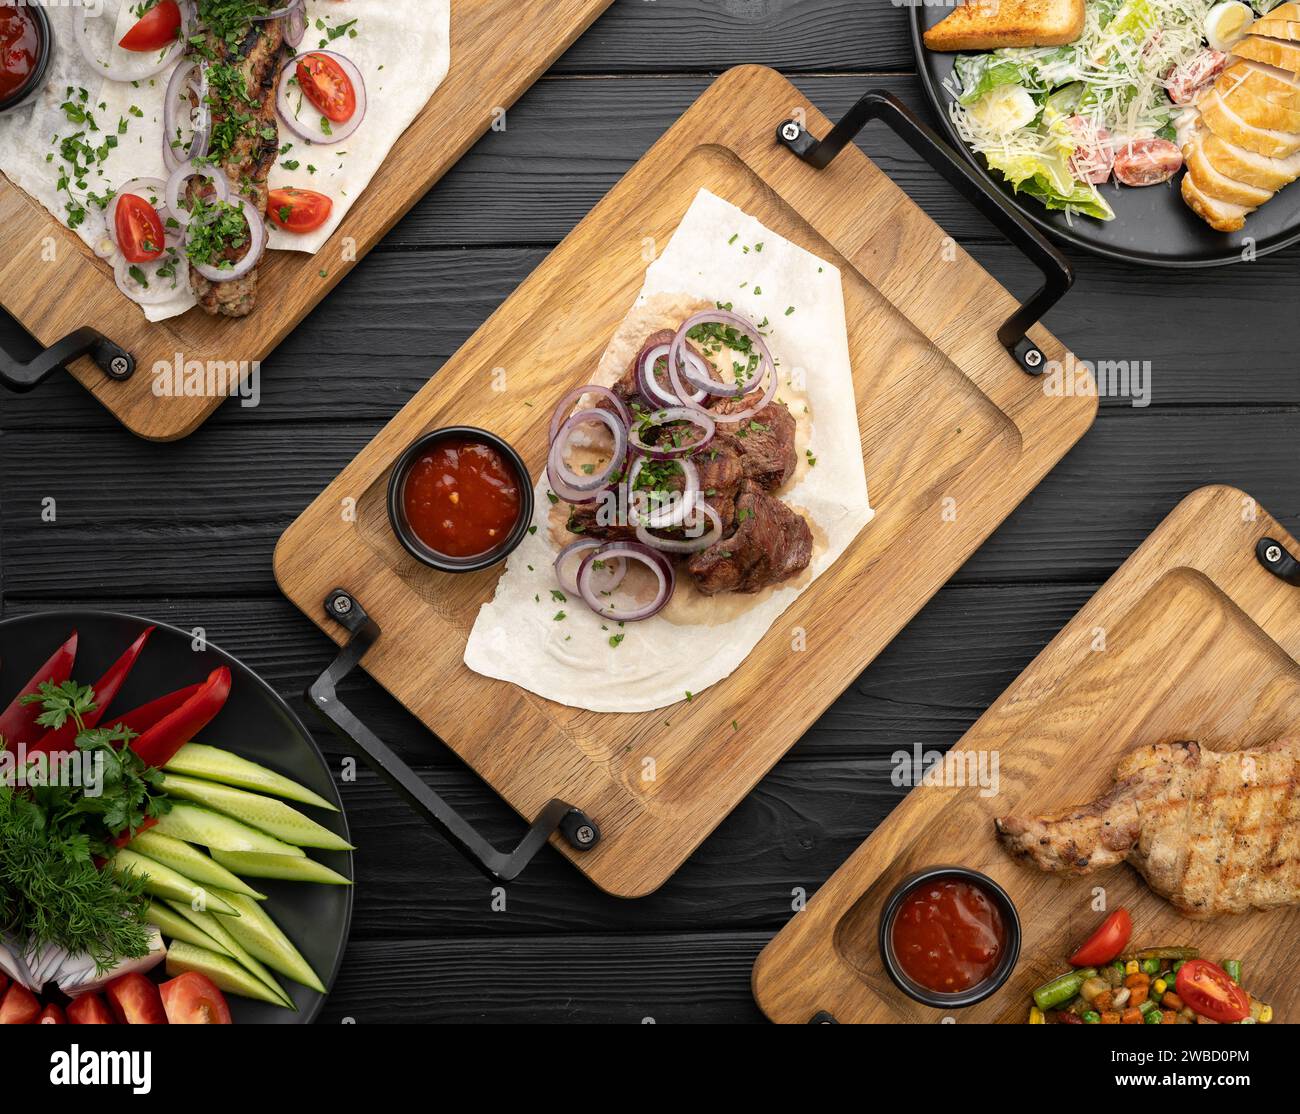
x,y
461,498
20,48
948,935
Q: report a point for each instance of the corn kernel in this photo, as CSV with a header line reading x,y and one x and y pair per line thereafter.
x,y
1266,1015
1131,967
1158,988
1036,1016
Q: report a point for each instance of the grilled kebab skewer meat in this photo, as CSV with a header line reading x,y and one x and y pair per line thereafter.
x,y
1211,832
242,67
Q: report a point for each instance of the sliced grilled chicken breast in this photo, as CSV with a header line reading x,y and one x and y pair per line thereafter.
x,y
1285,29
1249,166
1272,52
1226,122
1222,216
1258,110
1213,183
1266,82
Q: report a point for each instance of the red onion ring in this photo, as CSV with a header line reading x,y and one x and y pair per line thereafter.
x,y
256,247
178,91
692,545
563,480
295,27
182,174
562,411
156,292
279,13
121,73
314,133
570,558
694,414
648,384
678,368
681,505
656,562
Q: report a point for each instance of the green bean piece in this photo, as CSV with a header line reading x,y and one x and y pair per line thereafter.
x,y
1233,967
1152,1018
1168,953
1062,988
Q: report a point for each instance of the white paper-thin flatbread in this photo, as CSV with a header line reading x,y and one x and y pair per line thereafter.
x,y
402,47
714,256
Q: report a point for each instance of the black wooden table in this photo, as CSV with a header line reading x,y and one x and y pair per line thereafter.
x,y
184,532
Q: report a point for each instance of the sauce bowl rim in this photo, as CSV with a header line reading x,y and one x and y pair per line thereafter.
x,y
36,79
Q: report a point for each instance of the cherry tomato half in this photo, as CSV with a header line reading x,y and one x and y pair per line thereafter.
x,y
298,210
139,229
324,83
193,999
157,28
1106,943
1210,991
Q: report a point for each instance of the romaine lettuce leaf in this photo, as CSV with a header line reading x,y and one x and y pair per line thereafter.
x,y
1050,183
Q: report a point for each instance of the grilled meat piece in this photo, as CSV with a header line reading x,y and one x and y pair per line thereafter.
x,y
1212,833
771,543
720,473
243,71
766,440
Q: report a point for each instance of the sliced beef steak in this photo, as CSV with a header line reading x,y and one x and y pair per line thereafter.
x,y
1211,832
766,441
771,543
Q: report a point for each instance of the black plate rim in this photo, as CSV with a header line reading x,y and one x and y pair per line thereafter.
x,y
936,97
78,615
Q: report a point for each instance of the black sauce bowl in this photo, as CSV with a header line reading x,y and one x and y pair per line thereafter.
x,y
412,542
36,79
981,990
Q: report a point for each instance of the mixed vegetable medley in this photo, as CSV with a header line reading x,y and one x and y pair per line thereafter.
x,y
1111,984
1057,122
125,846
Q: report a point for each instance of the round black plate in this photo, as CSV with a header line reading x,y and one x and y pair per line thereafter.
x,y
255,723
1152,225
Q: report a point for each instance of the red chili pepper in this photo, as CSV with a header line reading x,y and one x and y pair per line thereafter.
x,y
140,719
158,745
106,688
18,721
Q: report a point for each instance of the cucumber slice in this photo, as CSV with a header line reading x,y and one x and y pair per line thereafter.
x,y
175,927
213,927
191,862
219,833
264,813
262,936
163,881
221,969
287,869
213,764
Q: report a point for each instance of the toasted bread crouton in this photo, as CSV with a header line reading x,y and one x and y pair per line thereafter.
x,y
989,24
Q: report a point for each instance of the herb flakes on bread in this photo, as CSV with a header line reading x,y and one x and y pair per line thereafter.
x,y
990,24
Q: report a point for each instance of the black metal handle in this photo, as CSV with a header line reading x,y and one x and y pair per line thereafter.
x,y
879,105
1275,557
113,360
577,828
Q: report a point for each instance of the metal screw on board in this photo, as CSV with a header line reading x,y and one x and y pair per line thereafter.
x,y
790,131
342,605
1033,357
1273,554
585,834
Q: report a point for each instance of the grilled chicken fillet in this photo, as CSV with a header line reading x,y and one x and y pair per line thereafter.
x,y
1212,833
243,77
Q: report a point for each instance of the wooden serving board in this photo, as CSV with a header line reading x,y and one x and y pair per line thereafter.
x,y
954,435
1191,639
498,49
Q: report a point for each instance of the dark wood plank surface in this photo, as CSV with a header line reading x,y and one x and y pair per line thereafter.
x,y
184,532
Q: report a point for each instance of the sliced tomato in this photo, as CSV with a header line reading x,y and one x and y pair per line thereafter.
x,y
158,27
139,229
299,210
324,83
134,1000
1210,991
89,1009
51,1015
193,999
1106,943
19,1007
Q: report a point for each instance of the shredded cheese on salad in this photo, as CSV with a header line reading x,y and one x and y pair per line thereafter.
x,y
1093,95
